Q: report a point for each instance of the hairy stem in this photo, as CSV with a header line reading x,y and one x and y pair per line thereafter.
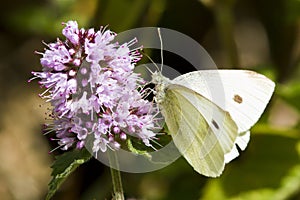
x,y
116,176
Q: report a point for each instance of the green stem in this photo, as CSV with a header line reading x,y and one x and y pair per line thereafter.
x,y
116,176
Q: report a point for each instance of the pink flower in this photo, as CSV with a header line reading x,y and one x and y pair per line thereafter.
x,y
71,32
91,85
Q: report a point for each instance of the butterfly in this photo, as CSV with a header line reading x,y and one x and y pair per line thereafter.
x,y
209,112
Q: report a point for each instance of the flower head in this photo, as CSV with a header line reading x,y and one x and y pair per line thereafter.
x,y
91,85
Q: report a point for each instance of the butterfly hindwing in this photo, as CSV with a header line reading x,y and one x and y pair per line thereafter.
x,y
201,130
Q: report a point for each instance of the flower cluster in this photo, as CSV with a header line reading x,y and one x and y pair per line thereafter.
x,y
94,92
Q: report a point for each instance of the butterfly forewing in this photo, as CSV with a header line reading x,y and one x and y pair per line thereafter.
x,y
244,94
202,131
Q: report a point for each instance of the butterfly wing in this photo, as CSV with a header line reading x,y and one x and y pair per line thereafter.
x,y
201,130
244,94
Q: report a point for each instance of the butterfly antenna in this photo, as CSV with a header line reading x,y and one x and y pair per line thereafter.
x,y
161,49
151,61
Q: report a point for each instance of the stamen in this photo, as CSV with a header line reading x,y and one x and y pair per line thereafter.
x,y
55,148
132,42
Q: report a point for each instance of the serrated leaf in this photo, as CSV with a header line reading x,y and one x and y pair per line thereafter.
x,y
63,166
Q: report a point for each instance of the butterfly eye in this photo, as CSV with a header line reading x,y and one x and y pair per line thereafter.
x,y
215,124
237,98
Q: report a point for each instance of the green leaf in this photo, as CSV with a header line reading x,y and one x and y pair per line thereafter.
x,y
291,93
135,150
121,15
63,166
268,169
290,185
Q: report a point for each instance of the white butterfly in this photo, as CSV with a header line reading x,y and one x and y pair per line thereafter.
x,y
209,112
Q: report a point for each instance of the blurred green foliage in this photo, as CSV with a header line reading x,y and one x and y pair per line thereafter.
x,y
270,166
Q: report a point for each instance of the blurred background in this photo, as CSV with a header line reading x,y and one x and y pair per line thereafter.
x,y
260,35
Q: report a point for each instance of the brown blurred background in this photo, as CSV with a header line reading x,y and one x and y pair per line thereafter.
x,y
259,35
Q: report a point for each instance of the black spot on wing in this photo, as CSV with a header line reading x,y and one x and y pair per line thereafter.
x,y
215,124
